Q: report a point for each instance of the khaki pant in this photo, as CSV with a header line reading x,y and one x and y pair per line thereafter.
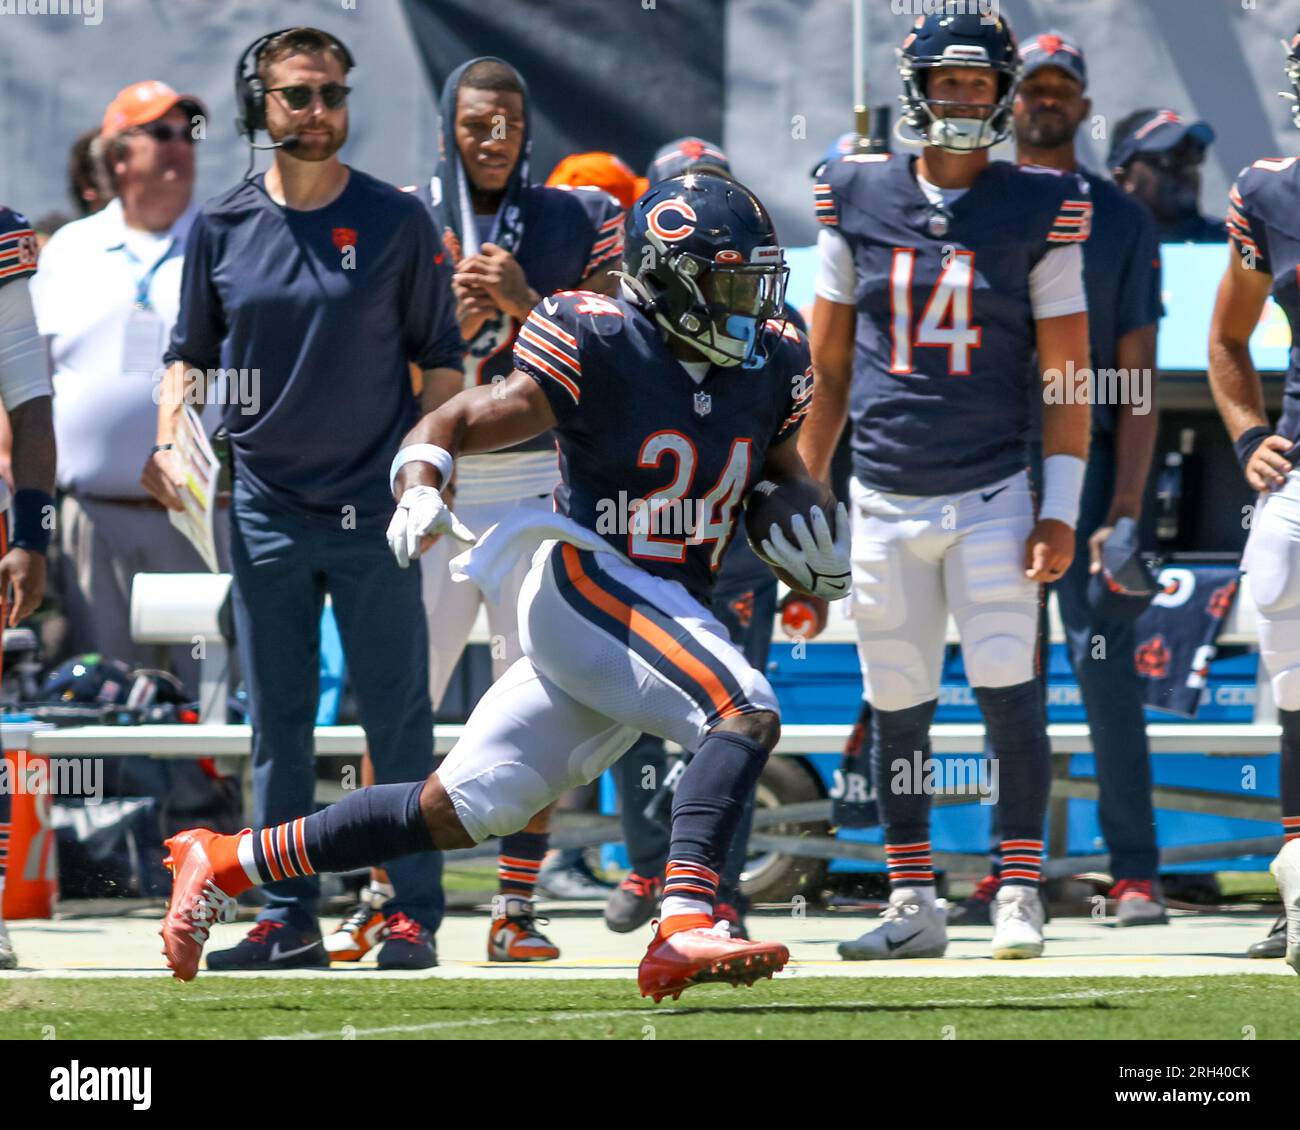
x,y
104,545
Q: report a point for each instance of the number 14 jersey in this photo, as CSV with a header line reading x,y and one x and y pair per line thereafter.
x,y
945,328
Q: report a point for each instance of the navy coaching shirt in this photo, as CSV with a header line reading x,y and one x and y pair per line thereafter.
x,y
1121,274
330,332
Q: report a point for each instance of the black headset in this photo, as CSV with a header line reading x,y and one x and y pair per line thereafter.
x,y
250,90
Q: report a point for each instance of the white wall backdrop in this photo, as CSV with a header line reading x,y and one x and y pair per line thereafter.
x,y
1216,59
58,74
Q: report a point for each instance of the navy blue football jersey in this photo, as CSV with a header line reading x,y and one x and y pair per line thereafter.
x,y
945,328
17,246
1264,226
567,234
654,462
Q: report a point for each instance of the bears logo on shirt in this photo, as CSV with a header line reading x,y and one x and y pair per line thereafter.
x,y
344,238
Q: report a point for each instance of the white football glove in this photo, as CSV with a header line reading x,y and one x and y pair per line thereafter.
x,y
421,512
820,563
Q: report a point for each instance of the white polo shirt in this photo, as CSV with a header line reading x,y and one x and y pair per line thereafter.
x,y
85,291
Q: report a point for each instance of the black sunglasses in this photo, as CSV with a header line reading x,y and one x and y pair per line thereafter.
x,y
333,94
161,131
1186,153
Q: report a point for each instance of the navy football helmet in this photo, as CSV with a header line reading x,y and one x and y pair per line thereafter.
x,y
958,41
88,679
99,680
701,256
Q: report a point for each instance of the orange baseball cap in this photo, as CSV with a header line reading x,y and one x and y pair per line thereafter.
x,y
141,103
599,170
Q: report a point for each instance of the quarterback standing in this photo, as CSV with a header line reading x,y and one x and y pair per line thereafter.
x,y
941,276
1262,230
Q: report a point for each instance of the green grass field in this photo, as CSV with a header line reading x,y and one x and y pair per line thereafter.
x,y
1214,1008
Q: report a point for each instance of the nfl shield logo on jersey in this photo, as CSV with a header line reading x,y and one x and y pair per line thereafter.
x,y
703,403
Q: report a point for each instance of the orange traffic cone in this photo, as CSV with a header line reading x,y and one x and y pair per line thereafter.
x,y
32,876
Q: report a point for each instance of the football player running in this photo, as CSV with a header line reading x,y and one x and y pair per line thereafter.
x,y
678,394
952,271
1262,228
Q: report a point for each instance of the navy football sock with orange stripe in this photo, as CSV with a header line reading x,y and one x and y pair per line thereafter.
x,y
365,828
519,861
1014,720
707,806
1290,769
904,735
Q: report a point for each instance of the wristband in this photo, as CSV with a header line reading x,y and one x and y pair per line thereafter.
x,y
421,453
29,528
1249,440
1062,485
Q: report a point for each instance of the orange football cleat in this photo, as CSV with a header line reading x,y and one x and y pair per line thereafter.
x,y
197,902
363,929
514,936
702,956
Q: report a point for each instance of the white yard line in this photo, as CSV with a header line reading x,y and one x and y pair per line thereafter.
x,y
351,1033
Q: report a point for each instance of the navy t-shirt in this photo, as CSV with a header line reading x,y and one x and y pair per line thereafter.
x,y
1121,276
329,306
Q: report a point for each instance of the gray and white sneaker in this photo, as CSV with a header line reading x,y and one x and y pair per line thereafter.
x,y
8,959
1286,870
1017,922
912,925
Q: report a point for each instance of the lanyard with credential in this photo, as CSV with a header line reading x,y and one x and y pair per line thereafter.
x,y
142,344
145,281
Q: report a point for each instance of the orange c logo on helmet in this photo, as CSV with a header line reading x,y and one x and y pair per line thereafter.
x,y
682,230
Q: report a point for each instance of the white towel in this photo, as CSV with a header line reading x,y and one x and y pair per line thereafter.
x,y
489,561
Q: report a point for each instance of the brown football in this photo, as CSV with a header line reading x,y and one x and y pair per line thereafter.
x,y
777,501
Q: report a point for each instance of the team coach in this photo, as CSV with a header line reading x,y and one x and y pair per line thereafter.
x,y
321,285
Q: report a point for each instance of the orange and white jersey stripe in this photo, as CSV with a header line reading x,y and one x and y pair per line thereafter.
x,y
550,348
